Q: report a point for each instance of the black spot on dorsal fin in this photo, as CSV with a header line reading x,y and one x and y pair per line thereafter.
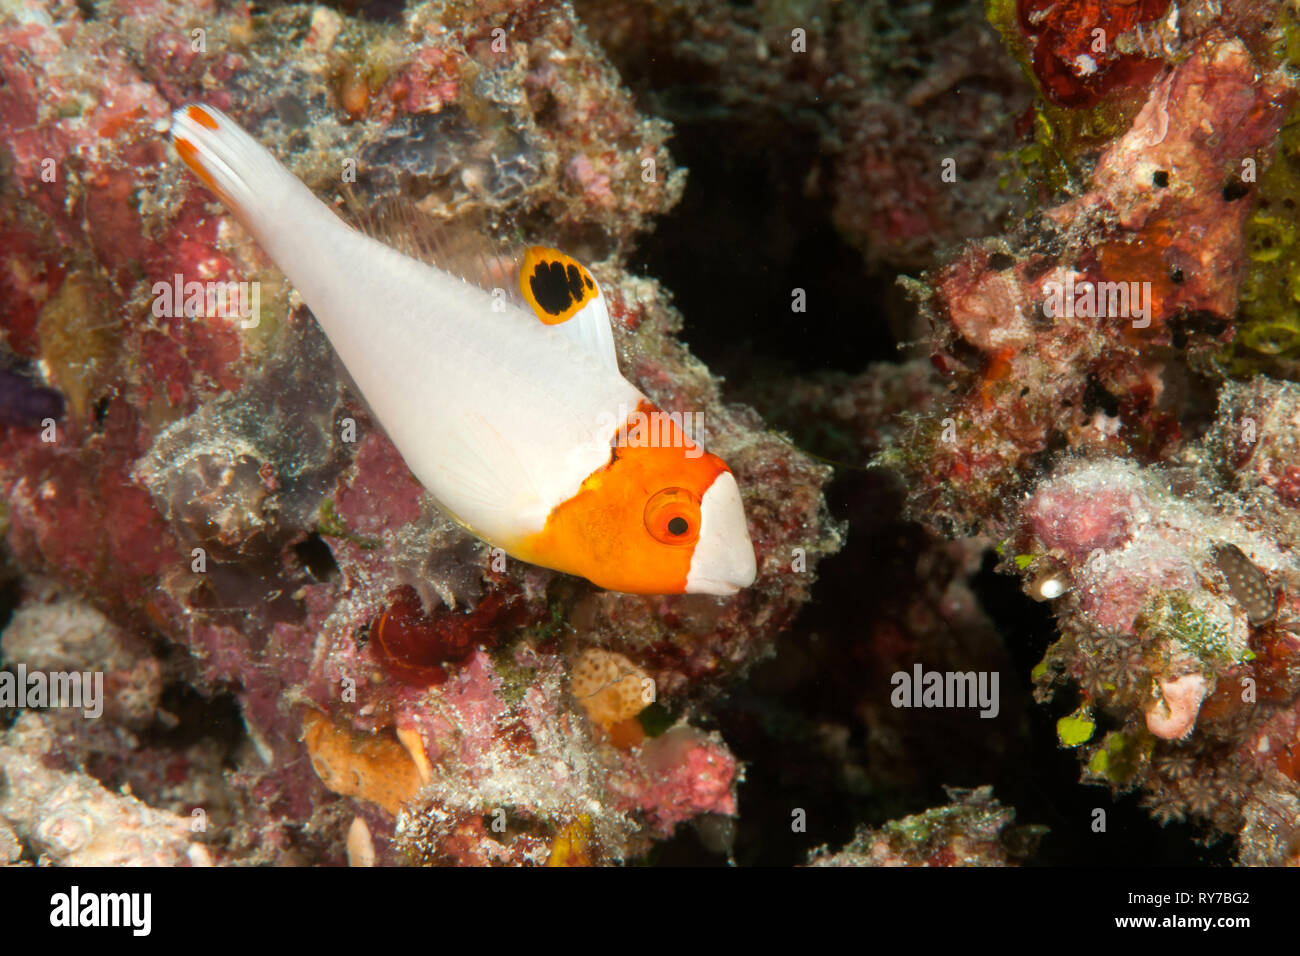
x,y
555,287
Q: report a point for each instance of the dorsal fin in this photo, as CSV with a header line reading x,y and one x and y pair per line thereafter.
x,y
548,283
462,249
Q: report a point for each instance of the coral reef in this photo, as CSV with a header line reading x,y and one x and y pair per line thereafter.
x,y
1117,375
1091,429
886,92
973,830
1085,348
1069,416
1178,616
215,485
69,819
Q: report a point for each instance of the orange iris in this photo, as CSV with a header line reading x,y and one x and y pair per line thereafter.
x,y
672,516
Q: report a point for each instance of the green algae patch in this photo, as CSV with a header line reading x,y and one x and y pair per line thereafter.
x,y
1176,618
1117,760
515,678
1268,314
1076,729
656,719
330,524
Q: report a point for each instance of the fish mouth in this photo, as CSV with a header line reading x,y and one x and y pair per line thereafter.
x,y
724,560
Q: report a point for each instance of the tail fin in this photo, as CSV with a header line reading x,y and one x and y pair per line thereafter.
x,y
229,162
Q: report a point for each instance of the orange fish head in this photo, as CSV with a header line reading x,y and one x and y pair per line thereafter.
x,y
655,520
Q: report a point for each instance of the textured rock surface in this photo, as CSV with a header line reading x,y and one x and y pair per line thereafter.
x,y
70,820
973,830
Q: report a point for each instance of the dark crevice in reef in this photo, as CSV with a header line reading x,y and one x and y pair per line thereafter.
x,y
199,717
744,237
11,595
316,557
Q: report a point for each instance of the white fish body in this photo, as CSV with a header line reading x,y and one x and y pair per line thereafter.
x,y
497,414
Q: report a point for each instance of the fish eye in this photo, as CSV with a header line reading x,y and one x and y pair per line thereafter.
x,y
672,516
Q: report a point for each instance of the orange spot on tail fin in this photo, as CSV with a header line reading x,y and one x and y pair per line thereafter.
x,y
190,154
201,116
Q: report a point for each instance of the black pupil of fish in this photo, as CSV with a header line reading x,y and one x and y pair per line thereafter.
x,y
555,287
677,526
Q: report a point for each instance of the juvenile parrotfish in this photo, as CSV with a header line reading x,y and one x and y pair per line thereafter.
x,y
510,410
